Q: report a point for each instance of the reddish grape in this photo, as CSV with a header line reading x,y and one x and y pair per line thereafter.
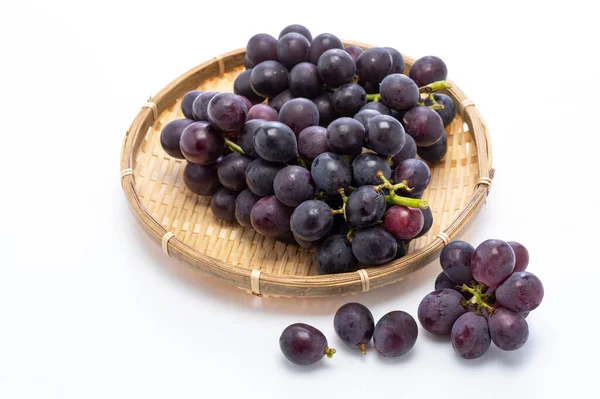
x,y
509,330
521,256
470,336
201,143
492,262
264,112
521,292
404,222
440,309
270,217
227,112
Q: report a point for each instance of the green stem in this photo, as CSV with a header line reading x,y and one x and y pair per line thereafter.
x,y
363,348
233,146
409,202
350,233
435,86
342,210
478,297
434,104
301,162
329,352
374,97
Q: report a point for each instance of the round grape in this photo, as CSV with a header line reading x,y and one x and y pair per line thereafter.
x,y
509,330
296,29
354,51
247,63
298,114
201,179
264,112
222,203
470,336
415,172
399,92
397,60
492,262
439,310
521,292
365,207
270,217
374,246
331,172
448,112
442,281
408,151
365,115
200,105
354,324
260,175
427,70
455,259
424,125
345,136
376,106
311,220
322,43
280,99
305,80
227,112
335,255
436,152
170,136
275,142
395,334
232,170
384,135
201,143
269,78
293,185
336,67
521,256
404,222
292,49
244,203
187,101
312,142
242,87
303,344
373,65
261,47
327,113
348,99
365,168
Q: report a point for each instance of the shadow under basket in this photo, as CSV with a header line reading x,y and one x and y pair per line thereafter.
x,y
182,223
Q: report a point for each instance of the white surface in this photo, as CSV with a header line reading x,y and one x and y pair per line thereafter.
x,y
90,308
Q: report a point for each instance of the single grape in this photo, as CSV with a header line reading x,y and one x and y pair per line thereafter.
x,y
354,51
470,336
404,222
187,101
365,168
427,70
415,172
264,112
492,262
201,143
305,80
242,87
247,102
280,99
275,142
374,246
261,47
397,60
296,29
408,151
293,185
455,259
201,179
509,330
399,92
370,87
270,217
335,255
244,203
354,324
402,248
170,136
311,220
222,203
327,113
442,281
345,136
365,207
227,112
269,78
331,173
348,99
336,67
303,344
364,115
440,309
436,152
384,135
395,334
232,170
521,256
377,106
448,112
427,223
312,142
322,43
260,175
298,114
424,125
247,63
373,64
292,49
200,105
521,292
246,137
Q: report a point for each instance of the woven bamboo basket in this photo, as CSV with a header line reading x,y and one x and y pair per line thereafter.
x,y
181,222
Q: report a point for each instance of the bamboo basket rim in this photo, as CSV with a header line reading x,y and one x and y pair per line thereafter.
x,y
260,283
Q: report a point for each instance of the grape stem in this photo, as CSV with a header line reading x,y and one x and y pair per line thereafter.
x,y
301,162
374,97
329,352
396,199
363,348
233,146
435,86
350,233
479,299
342,210
434,104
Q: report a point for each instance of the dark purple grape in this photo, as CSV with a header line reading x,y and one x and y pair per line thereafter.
x,y
269,78
312,142
439,310
397,60
408,151
227,112
442,281
275,142
201,179
232,170
373,65
321,44
415,173
261,47
492,262
384,135
305,80
331,173
246,137
264,112
427,70
247,63
201,143
395,334
260,175
296,29
311,220
293,185
427,223
243,206
345,136
509,330
292,49
374,246
349,99
335,255
436,152
270,217
298,114
280,99
364,115
424,125
327,113
521,256
336,67
242,87
354,324
470,336
521,292
399,92
455,259
222,203
303,344
187,101
200,105
377,106
287,238
402,248
448,112
365,207
365,168
170,136
403,222
354,51
370,87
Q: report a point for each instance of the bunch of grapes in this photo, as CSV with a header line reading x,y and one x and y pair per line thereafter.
x,y
483,295
318,145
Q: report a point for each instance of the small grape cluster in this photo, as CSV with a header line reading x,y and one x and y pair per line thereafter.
x,y
331,161
483,295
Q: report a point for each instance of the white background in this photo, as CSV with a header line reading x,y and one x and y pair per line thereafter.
x,y
90,308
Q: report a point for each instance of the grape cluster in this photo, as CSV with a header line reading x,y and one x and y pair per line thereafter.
x,y
483,295
319,141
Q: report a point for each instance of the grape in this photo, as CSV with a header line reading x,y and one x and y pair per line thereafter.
x,y
384,135
336,67
260,175
354,324
428,222
365,207
243,206
264,112
227,112
354,51
399,92
269,78
436,152
246,137
415,172
345,136
424,125
296,29
200,105
365,168
492,262
187,101
222,203
348,99
327,112
261,47
242,87
448,112
303,344
232,169
404,222
331,172
408,151
364,115
335,255
397,60
280,99
402,248
521,292
201,179
298,114
395,334
455,259
373,65
442,281
311,220
374,246
470,336
293,185
370,87
521,256
322,43
201,143
305,80
292,49
247,63
377,106
275,142
439,310
312,142
170,136
509,330
427,70
270,217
